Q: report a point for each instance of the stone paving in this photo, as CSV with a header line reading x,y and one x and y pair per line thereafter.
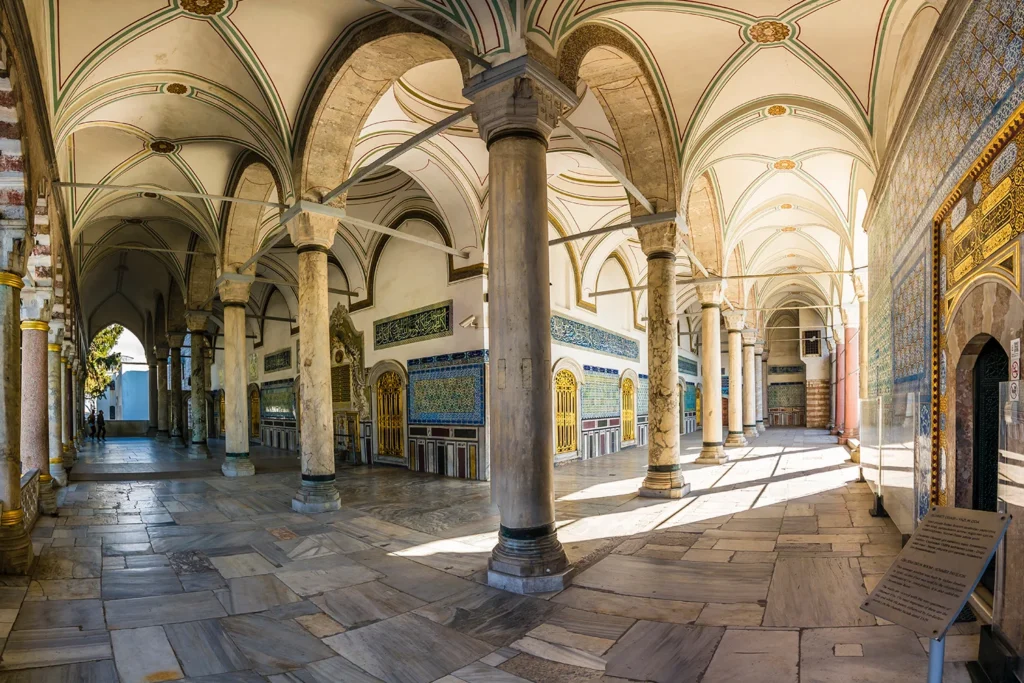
x,y
754,577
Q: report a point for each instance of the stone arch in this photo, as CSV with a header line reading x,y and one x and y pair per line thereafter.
x,y
362,66
989,309
570,364
176,308
251,178
705,224
615,71
159,322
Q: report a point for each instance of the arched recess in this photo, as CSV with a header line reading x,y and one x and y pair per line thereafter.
x,y
251,178
388,381
629,390
454,274
175,309
567,416
704,220
357,73
615,71
989,309
254,404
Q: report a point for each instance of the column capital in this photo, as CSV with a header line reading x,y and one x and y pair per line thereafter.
x,y
234,288
196,321
13,236
734,320
860,288
56,334
749,337
311,230
175,339
659,239
36,304
709,292
759,348
837,334
161,351
520,96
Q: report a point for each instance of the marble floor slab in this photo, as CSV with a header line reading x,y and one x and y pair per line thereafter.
x,y
408,649
249,594
143,655
666,653
272,646
366,603
49,647
204,648
755,656
490,615
86,615
816,591
652,609
313,581
410,577
165,609
671,580
102,671
139,583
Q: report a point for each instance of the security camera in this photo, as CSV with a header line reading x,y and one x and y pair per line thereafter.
x,y
468,322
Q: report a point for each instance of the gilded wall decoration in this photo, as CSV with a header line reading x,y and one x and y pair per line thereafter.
x,y
421,324
204,8
584,336
448,389
347,347
278,360
277,399
254,368
765,32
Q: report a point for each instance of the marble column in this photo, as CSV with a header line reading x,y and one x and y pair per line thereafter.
x,y
765,372
516,111
15,545
759,384
734,323
235,295
840,383
710,296
78,401
749,385
162,426
35,413
313,236
67,411
664,478
852,422
197,449
80,376
154,400
175,340
832,379
53,404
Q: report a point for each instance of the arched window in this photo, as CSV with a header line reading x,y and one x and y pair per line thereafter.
x,y
565,411
628,410
389,415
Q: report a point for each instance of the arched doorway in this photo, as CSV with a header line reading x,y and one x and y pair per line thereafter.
x,y
628,410
699,406
254,413
223,414
990,369
389,415
566,412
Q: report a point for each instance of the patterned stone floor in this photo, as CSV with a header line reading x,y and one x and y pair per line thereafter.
x,y
754,577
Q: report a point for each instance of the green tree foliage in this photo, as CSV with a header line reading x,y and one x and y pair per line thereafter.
x,y
103,361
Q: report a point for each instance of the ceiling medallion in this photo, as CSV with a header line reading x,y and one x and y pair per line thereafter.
x,y
162,146
776,110
786,206
790,255
789,228
177,88
792,267
133,221
150,195
205,8
785,165
769,32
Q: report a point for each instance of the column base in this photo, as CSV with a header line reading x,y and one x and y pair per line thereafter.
x,y
176,441
151,431
529,560
316,496
237,467
663,481
842,441
760,427
735,439
197,450
712,454
47,496
15,547
750,431
163,435
59,474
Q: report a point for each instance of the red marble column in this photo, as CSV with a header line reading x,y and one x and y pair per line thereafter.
x,y
35,423
840,388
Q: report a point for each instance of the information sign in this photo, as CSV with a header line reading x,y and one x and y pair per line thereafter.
x,y
1015,369
929,583
1015,349
1013,390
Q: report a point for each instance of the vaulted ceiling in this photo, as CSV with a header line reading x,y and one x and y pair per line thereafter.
x,y
779,111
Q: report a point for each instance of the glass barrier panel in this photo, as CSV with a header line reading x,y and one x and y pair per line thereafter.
x,y
899,448
871,442
1010,497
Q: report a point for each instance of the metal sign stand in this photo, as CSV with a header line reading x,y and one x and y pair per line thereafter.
x,y
936,655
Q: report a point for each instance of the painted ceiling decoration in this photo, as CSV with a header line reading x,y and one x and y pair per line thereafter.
x,y
777,113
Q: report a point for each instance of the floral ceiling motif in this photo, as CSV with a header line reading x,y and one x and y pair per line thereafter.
x,y
769,32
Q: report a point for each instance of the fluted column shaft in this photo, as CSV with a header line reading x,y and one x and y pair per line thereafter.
x,y
162,426
15,546
313,236
749,386
176,425
710,296
759,388
664,477
516,114
198,449
55,463
734,325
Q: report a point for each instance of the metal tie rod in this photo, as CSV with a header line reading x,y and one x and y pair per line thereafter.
x,y
465,48
414,141
666,217
170,193
612,169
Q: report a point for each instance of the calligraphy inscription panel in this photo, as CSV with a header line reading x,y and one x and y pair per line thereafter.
x,y
929,583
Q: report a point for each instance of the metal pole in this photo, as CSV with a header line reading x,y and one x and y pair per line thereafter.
x,y
171,193
936,655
